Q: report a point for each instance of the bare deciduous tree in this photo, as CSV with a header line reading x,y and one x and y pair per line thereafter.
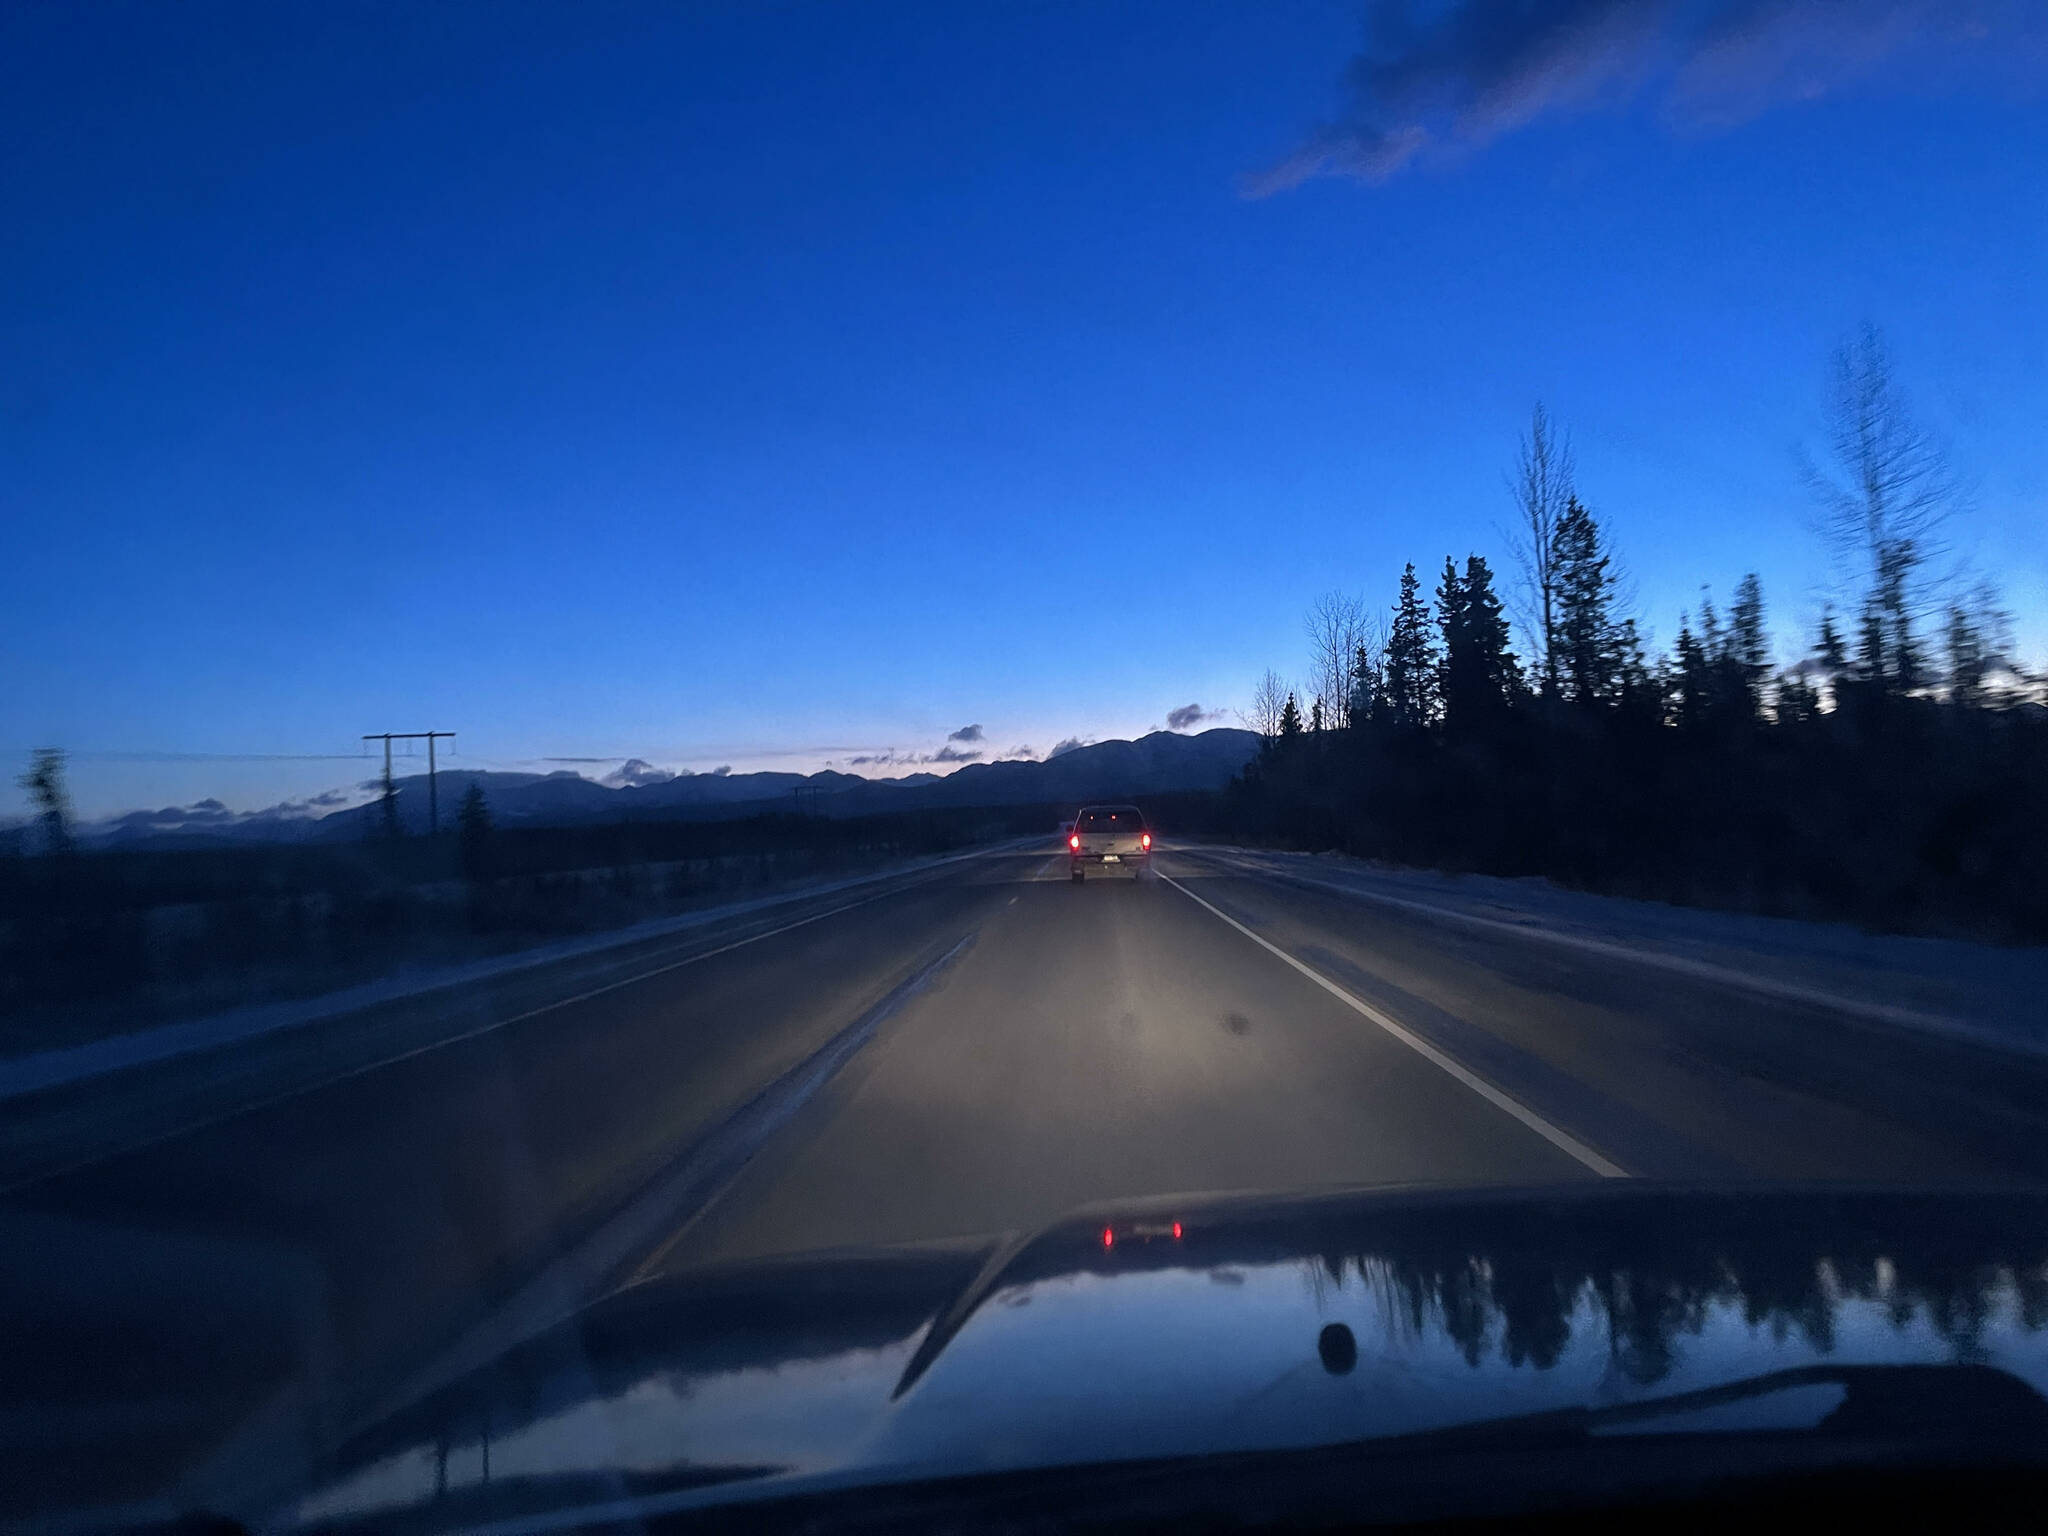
x,y
1336,625
1885,504
1541,485
1269,703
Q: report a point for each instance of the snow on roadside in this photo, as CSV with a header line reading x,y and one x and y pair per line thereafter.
x,y
1987,993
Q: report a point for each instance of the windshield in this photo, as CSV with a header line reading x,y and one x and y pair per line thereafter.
x,y
712,711
1120,818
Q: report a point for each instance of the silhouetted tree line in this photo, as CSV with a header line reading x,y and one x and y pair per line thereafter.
x,y
1896,774
1523,1304
1520,1280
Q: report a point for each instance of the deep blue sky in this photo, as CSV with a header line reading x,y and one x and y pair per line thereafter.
x,y
765,384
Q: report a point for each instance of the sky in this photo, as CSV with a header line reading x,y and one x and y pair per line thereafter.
x,y
776,385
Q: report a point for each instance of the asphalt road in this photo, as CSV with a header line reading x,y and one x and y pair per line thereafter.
x,y
224,1265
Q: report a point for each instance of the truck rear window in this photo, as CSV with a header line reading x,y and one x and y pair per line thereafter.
x,y
1122,818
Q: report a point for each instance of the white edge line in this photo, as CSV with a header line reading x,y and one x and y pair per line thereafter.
x,y
1678,965
1564,1141
300,1090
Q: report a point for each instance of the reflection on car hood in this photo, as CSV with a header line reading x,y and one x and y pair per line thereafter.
x,y
1197,1327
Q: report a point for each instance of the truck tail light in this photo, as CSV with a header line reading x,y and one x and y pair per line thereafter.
x,y
1145,840
1074,842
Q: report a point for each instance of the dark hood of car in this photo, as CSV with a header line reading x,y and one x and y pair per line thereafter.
x,y
1204,1328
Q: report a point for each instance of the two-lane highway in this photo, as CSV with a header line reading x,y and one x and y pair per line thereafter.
x,y
1021,1046
1109,1040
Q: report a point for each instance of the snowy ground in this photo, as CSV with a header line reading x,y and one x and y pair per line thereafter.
x,y
1993,994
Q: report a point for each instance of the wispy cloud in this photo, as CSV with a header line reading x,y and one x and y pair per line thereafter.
x,y
1060,749
965,733
1439,79
1187,715
1024,754
950,754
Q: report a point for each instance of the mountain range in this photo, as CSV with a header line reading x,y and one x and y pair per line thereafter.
x,y
1161,762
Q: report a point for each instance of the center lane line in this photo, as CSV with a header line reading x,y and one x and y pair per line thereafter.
x,y
1563,1140
630,1244
42,1174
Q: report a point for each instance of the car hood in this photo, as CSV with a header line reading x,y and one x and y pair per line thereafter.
x,y
1199,1327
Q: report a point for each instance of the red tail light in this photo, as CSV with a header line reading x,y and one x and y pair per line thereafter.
x,y
1108,1238
1144,839
1074,842
1176,1231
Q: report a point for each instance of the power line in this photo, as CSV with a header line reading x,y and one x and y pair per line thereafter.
x,y
433,788
205,757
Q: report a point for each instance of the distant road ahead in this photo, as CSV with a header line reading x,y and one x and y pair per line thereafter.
x,y
1001,1046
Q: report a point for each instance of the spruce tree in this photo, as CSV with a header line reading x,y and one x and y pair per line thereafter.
x,y
1290,720
1590,643
1480,673
473,832
1411,657
1368,694
44,783
1749,651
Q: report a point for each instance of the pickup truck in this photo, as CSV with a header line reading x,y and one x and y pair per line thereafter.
x,y
1110,839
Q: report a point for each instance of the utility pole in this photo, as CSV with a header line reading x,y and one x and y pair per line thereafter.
x,y
433,785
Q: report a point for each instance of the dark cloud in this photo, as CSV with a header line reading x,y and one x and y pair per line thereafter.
x,y
1023,754
895,759
635,772
966,733
1067,746
171,816
1439,78
199,812
1187,715
211,812
720,771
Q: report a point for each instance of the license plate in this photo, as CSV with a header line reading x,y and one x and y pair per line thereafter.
x,y
1110,858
